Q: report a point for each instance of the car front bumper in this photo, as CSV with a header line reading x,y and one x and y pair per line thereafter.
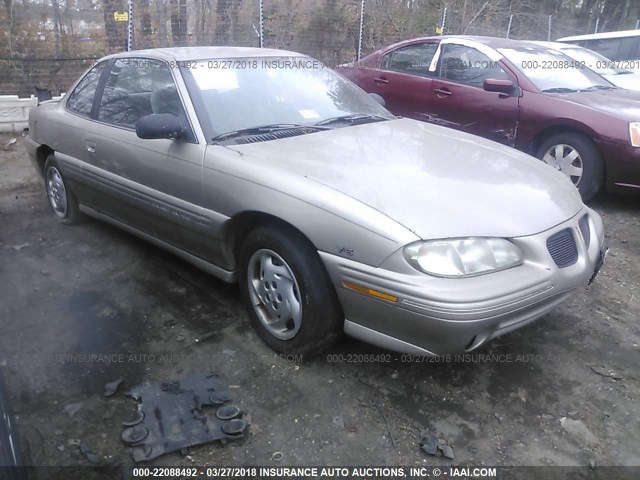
x,y
623,167
423,314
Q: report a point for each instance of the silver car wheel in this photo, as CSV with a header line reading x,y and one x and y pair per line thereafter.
x,y
566,159
274,294
56,192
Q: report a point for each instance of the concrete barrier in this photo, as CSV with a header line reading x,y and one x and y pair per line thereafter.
x,y
14,112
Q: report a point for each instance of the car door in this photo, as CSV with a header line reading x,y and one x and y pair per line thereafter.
x,y
458,99
68,137
154,185
404,80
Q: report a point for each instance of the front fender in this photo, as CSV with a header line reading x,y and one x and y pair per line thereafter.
x,y
335,223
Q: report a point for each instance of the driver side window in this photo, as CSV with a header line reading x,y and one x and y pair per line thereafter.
x,y
81,99
463,64
137,87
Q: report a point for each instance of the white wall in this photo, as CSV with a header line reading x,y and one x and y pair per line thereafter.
x,y
14,112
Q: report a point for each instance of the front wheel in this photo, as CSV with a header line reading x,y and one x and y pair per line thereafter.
x,y
577,157
287,292
62,200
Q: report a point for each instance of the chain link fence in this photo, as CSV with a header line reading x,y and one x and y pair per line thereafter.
x,y
48,43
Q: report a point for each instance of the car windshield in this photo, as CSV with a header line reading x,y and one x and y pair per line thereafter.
x,y
553,72
594,61
250,95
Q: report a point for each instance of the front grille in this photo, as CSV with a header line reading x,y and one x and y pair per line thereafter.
x,y
584,229
562,248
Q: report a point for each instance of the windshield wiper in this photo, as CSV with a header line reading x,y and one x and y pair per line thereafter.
x,y
353,118
597,87
256,130
559,90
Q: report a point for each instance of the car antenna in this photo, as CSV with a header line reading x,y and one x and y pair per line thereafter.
x,y
229,148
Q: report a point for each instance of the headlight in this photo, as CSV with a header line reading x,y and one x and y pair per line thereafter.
x,y
463,257
634,134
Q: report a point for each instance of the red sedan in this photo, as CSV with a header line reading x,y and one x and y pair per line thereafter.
x,y
518,93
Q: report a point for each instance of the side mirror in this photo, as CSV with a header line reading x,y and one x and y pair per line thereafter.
x,y
505,87
160,125
378,98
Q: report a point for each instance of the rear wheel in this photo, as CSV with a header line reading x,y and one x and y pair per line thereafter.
x,y
287,292
577,157
62,200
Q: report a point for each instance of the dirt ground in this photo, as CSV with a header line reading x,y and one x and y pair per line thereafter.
x,y
563,391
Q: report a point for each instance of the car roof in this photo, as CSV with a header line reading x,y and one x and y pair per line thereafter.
x,y
598,36
559,45
492,42
204,53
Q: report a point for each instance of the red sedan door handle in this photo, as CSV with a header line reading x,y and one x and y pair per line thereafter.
x,y
381,80
442,92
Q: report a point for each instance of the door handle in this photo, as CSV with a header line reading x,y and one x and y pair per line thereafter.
x,y
381,80
91,147
442,91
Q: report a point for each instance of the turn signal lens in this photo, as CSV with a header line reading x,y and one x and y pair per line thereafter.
x,y
369,291
634,134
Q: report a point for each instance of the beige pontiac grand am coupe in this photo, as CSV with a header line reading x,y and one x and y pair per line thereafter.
x,y
267,168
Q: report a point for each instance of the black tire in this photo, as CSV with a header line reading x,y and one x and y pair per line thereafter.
x,y
322,320
592,165
70,214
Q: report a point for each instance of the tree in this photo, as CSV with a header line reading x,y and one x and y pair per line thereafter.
x,y
146,40
56,25
8,6
223,22
179,22
115,31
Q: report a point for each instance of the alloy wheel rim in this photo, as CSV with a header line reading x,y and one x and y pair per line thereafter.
x,y
566,159
274,294
56,192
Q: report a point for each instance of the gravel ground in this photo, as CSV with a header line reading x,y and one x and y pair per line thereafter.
x,y
563,391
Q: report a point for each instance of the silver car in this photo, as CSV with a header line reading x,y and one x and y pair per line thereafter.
x,y
267,168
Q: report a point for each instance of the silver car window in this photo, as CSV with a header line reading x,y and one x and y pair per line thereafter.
x,y
616,48
137,87
81,99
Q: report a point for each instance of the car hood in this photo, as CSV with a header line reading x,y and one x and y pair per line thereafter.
x,y
630,81
618,102
435,181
